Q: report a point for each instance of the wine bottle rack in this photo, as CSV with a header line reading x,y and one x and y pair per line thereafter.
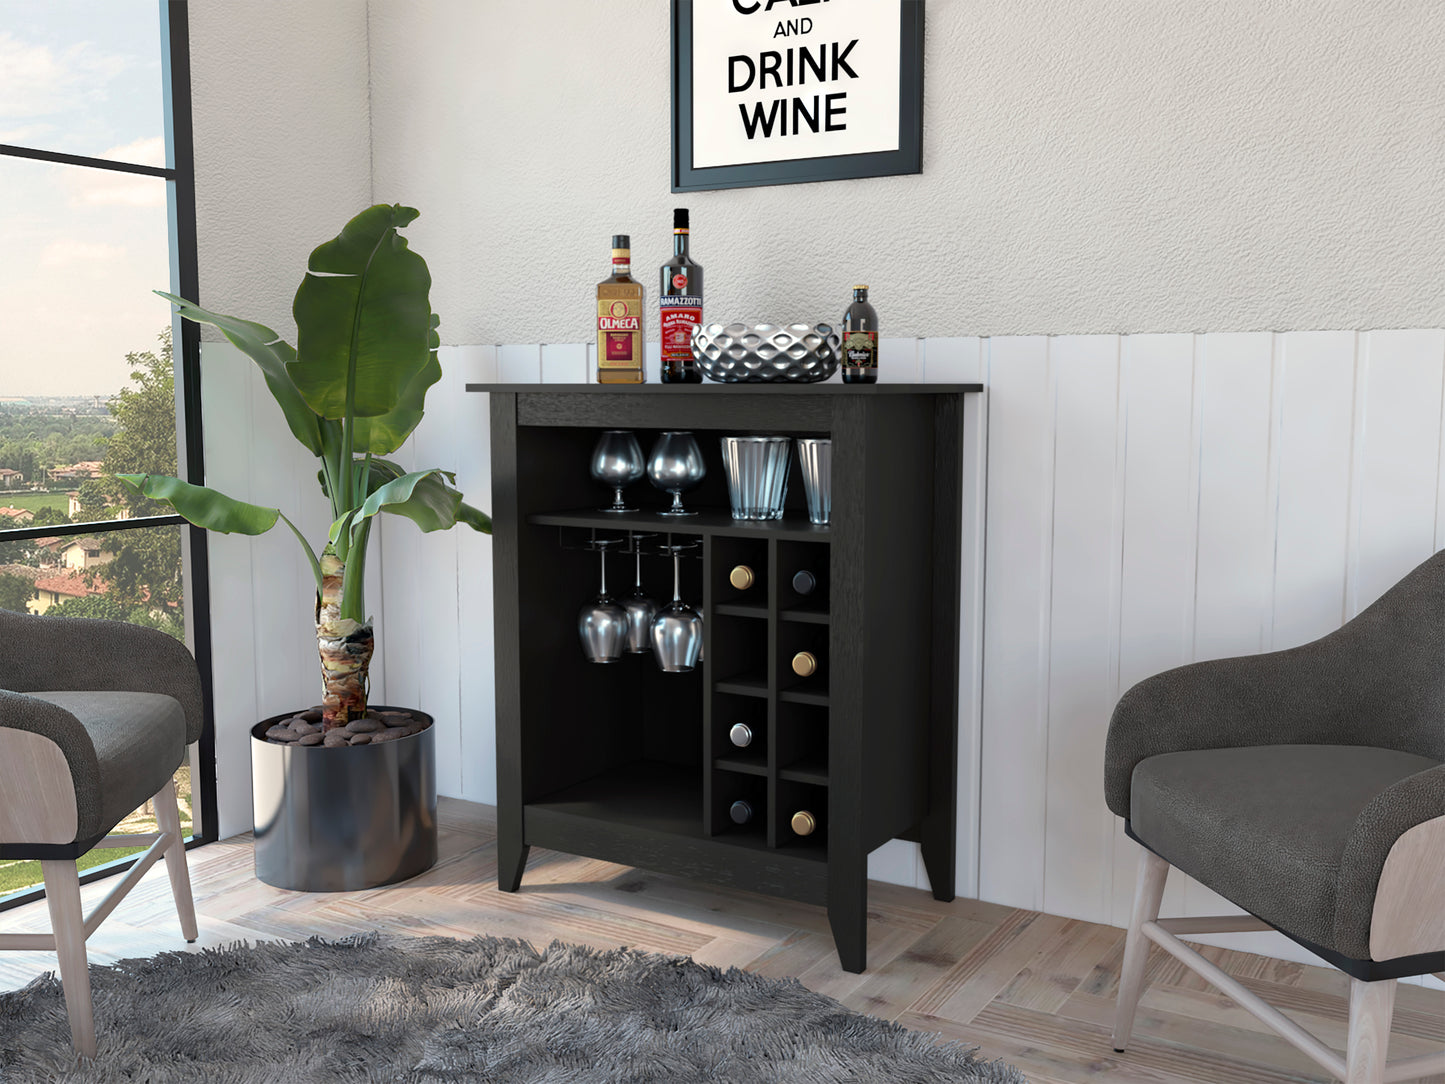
x,y
625,763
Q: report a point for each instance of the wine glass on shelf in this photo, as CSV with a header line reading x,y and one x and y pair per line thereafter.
x,y
677,628
602,623
674,466
617,462
640,609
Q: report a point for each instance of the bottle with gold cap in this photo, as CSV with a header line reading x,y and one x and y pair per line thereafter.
x,y
804,823
742,577
807,663
860,340
619,320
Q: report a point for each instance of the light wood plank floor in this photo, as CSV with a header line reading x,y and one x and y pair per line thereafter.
x,y
1033,989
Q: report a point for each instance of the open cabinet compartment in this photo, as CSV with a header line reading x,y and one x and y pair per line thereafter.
x,y
625,763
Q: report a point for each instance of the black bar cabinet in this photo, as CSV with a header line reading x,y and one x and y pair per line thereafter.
x,y
629,764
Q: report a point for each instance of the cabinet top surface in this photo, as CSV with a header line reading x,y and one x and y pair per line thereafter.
x,y
823,388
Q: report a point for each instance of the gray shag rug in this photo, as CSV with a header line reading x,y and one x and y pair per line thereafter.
x,y
373,1008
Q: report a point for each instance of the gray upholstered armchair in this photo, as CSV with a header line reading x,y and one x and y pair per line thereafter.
x,y
95,717
1307,787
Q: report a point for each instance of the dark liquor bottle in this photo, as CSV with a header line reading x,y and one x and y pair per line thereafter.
x,y
619,320
741,812
742,577
860,340
804,823
804,582
741,735
680,305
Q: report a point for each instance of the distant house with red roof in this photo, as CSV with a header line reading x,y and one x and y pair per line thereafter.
x,y
76,472
73,552
9,479
81,552
15,517
56,587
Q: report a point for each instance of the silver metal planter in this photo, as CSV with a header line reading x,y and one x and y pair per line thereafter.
x,y
340,820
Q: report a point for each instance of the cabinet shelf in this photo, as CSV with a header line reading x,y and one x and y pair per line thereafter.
x,y
707,522
755,765
805,615
644,794
803,695
744,685
807,770
740,609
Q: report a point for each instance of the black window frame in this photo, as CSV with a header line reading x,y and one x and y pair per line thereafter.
x,y
176,68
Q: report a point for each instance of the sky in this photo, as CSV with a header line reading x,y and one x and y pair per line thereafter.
x,y
80,249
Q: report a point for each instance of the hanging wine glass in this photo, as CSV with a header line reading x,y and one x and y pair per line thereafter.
x,y
617,462
677,629
674,466
602,623
640,609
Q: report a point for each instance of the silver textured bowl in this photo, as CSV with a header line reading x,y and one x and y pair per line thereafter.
x,y
750,353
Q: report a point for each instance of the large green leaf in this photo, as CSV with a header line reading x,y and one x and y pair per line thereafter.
x,y
215,511
363,318
203,506
385,434
474,518
424,497
266,349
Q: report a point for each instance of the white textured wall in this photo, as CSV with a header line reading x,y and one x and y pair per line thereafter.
x,y
1117,165
283,146
279,92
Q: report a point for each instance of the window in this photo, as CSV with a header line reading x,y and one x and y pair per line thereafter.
x,y
96,377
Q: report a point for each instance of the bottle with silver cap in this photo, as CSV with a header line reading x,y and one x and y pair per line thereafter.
x,y
741,735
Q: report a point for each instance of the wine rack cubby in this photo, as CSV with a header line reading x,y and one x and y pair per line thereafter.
x,y
626,763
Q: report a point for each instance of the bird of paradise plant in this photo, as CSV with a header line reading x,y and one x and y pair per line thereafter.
x,y
352,390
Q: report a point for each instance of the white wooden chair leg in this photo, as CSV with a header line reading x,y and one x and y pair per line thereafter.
x,y
168,817
1148,893
67,922
1372,1005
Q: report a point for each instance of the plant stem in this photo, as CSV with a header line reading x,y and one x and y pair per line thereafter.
x,y
345,646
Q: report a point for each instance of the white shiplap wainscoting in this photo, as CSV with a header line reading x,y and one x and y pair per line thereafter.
x,y
1150,500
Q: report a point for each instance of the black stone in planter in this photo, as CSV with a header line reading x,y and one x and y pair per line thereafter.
x,y
343,819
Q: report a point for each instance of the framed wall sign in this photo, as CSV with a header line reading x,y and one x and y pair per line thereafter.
x,y
784,91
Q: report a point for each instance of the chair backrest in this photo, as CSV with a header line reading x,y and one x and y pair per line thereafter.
x,y
1397,645
47,654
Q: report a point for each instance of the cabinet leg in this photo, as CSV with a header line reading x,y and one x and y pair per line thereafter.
x,y
937,843
511,861
848,917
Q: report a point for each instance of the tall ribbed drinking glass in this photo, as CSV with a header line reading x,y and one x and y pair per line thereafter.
x,y
757,470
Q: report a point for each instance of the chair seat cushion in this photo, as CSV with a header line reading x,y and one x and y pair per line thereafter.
x,y
1266,826
139,740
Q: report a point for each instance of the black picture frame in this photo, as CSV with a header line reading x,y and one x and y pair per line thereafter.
x,y
908,158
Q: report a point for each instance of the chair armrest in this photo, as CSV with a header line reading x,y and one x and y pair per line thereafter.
x,y
1305,695
28,714
1379,680
1412,802
91,655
